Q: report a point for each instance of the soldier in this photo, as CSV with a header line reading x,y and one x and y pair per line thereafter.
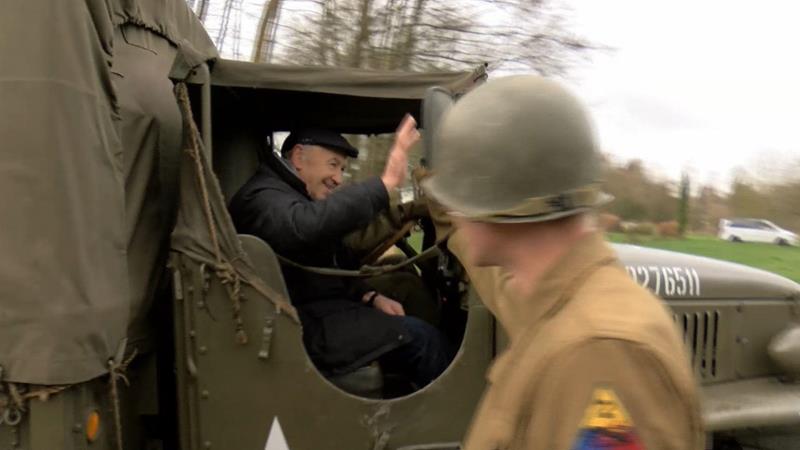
x,y
594,360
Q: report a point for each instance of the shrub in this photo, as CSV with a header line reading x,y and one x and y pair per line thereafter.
x,y
641,229
669,229
609,222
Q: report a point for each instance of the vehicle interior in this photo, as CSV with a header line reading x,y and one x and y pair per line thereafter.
x,y
246,122
238,340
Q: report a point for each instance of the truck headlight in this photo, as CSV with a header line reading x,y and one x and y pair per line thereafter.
x,y
784,350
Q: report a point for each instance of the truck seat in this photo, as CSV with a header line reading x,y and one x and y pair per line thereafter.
x,y
366,381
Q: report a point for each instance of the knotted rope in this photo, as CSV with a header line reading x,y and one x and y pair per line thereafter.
x,y
228,275
116,371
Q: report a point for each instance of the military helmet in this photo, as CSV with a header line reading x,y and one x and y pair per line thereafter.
x,y
516,149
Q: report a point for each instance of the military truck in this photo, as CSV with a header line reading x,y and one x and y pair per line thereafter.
x,y
135,317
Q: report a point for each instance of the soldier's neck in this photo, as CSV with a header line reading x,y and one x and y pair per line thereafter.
x,y
538,249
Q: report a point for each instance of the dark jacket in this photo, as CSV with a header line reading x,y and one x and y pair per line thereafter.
x,y
341,334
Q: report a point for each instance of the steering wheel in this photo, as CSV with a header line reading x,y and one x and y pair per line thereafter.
x,y
388,243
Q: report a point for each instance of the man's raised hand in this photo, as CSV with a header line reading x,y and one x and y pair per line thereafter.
x,y
396,164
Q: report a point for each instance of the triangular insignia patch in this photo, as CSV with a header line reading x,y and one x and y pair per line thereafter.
x,y
606,425
276,440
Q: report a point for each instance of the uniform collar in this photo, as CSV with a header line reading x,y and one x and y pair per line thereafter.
x,y
556,286
568,274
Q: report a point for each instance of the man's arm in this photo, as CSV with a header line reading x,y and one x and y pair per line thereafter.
x,y
366,239
298,223
610,391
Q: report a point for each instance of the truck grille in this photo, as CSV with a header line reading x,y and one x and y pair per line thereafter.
x,y
700,335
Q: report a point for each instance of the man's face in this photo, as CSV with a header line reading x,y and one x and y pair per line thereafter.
x,y
319,168
486,243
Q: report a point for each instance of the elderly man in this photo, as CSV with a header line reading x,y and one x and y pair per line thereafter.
x,y
594,361
299,206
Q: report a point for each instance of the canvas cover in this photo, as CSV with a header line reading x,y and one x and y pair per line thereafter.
x,y
89,138
340,80
286,97
89,169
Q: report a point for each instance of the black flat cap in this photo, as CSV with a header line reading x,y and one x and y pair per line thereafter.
x,y
319,136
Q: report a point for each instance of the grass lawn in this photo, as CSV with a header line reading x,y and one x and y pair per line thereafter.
x,y
415,240
781,260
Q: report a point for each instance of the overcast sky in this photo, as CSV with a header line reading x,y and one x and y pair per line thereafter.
x,y
698,85
703,85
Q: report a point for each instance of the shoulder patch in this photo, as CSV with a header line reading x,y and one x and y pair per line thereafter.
x,y
606,425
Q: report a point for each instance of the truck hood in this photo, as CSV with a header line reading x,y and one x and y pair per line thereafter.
x,y
672,275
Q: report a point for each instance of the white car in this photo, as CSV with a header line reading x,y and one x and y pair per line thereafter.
x,y
755,230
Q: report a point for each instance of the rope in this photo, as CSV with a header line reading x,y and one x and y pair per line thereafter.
x,y
232,282
366,271
19,399
117,371
224,269
43,393
13,391
194,153
268,292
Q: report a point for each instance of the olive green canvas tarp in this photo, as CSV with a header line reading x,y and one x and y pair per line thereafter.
x,y
340,81
63,278
85,125
170,19
148,36
150,130
286,97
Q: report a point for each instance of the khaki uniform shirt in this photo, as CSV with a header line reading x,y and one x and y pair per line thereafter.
x,y
594,361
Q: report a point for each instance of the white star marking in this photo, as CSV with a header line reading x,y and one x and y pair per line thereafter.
x,y
276,440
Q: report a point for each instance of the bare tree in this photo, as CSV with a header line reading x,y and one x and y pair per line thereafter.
x,y
327,33
409,37
513,35
265,34
201,9
361,38
770,189
237,33
420,34
227,9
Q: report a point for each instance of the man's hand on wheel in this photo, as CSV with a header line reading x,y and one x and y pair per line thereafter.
x,y
396,165
388,306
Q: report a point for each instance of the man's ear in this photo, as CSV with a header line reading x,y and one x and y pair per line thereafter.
x,y
296,157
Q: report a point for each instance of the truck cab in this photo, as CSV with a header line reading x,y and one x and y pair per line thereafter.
x,y
738,323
